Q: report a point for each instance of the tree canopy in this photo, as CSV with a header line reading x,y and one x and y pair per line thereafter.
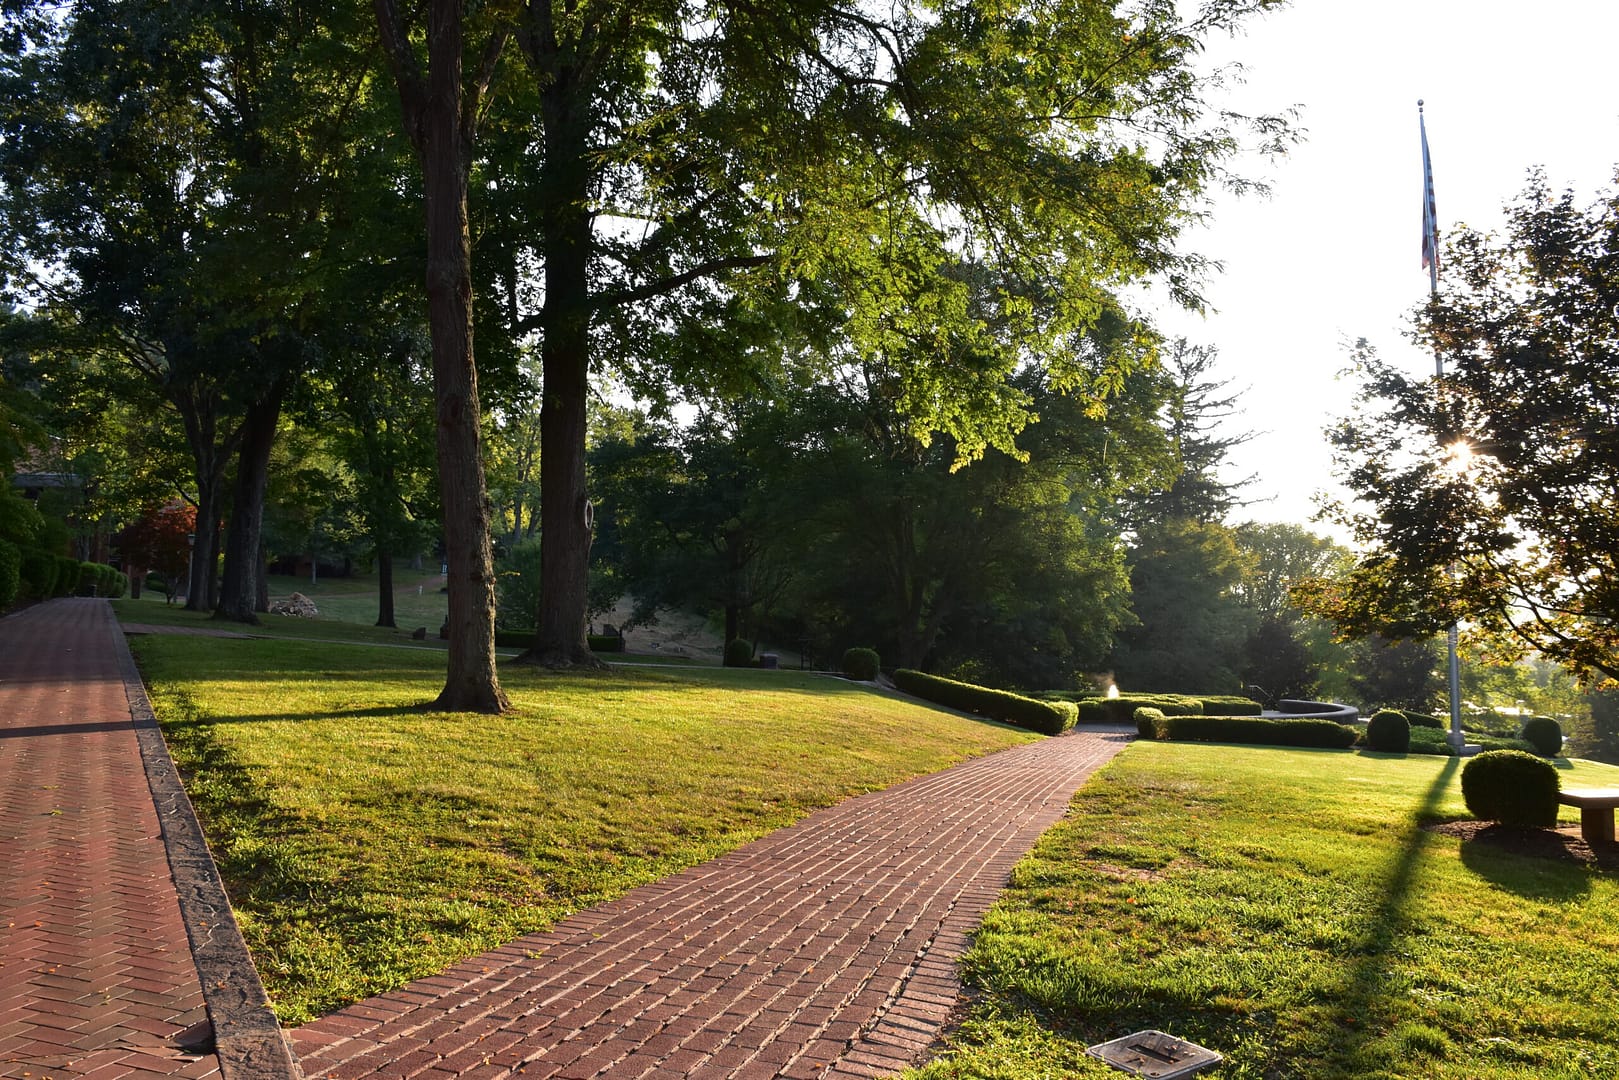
x,y
1493,492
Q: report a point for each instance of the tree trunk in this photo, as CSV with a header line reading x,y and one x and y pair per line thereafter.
x,y
199,410
733,623
261,595
205,544
566,234
385,586
471,683
239,592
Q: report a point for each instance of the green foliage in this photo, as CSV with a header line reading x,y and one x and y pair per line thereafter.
x,y
1192,628
1417,719
1047,717
1388,731
1147,721
862,664
738,653
10,573
1253,729
68,570
1511,787
1230,705
1492,500
1544,734
604,642
1122,709
39,571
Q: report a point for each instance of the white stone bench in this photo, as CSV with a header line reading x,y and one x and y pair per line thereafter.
x,y
1596,811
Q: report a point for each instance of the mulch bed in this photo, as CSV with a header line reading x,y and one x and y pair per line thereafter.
x,y
1564,844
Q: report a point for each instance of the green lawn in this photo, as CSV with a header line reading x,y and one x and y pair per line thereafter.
x,y
1285,908
366,842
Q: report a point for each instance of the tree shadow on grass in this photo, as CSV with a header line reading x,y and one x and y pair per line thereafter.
x,y
1364,989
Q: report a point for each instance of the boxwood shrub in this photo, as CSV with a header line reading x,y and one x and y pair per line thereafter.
x,y
1047,717
38,572
1544,734
738,653
1388,731
1230,705
1255,729
67,576
605,642
522,639
1147,719
1420,719
861,664
1511,787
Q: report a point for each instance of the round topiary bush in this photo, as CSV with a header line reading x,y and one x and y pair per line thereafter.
x,y
1544,734
1511,787
738,653
1389,731
1147,719
861,664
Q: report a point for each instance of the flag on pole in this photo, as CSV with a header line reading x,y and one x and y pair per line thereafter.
x,y
1430,220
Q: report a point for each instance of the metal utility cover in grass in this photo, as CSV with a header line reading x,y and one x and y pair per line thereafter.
x,y
1155,1054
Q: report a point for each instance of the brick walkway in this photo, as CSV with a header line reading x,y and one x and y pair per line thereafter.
x,y
96,976
827,949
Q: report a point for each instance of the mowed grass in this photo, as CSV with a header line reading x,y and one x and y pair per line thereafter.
x,y
1287,909
366,842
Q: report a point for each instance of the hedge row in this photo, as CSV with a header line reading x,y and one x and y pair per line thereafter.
x,y
30,574
1122,709
1047,717
1425,740
1244,729
522,639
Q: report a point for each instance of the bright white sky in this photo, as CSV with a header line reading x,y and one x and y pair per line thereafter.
x,y
1335,253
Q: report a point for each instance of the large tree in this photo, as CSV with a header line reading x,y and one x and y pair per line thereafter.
x,y
172,177
1492,493
441,105
693,154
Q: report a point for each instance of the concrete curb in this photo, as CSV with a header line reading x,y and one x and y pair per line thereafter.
x,y
247,1037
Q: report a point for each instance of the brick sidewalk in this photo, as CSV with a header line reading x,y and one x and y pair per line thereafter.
x,y
827,949
96,975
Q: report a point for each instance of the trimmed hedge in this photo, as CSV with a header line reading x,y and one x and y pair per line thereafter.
x,y
522,639
10,573
738,653
38,572
861,664
1511,787
1255,730
67,576
1389,732
605,642
1544,734
1231,705
1047,717
1419,719
1147,719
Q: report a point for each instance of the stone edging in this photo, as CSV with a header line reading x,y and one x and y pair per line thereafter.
x,y
247,1037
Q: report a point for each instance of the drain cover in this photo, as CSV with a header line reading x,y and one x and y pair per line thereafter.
x,y
1155,1054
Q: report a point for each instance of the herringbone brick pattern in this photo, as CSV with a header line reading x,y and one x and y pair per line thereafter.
x,y
827,949
96,974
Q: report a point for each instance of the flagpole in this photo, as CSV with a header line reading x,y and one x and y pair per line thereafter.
x,y
1430,259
